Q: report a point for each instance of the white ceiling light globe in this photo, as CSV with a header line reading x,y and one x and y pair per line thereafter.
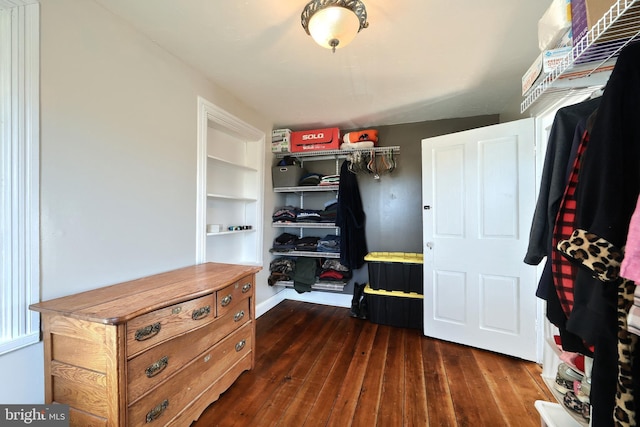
x,y
334,27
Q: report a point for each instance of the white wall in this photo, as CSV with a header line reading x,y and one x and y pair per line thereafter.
x,y
118,163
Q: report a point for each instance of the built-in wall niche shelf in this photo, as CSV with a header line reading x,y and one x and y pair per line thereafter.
x,y
227,232
587,67
231,163
231,198
230,187
321,286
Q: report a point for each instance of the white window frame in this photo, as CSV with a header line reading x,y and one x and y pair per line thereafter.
x,y
19,173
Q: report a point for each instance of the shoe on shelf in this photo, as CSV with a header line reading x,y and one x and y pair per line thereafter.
x,y
572,403
568,373
582,389
562,385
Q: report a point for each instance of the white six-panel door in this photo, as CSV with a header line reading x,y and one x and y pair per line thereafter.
x,y
478,198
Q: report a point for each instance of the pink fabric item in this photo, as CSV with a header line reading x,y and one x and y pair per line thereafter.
x,y
630,267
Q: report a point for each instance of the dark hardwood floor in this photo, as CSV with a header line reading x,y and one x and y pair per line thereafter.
x,y
316,366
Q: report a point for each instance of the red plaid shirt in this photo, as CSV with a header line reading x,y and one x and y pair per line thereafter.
x,y
564,272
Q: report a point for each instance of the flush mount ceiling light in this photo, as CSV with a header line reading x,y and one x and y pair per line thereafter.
x,y
334,23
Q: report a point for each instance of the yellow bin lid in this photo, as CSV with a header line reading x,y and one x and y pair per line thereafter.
x,y
406,257
400,294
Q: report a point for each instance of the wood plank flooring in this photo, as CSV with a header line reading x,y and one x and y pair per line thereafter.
x,y
316,366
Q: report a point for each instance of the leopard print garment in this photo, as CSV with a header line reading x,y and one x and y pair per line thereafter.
x,y
604,260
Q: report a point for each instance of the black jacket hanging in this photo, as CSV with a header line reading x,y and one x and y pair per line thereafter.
x,y
351,220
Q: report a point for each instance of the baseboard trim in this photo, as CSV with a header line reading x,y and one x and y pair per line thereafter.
x,y
325,298
268,304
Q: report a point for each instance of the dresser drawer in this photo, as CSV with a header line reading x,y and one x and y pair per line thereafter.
x,y
166,401
150,368
229,296
160,325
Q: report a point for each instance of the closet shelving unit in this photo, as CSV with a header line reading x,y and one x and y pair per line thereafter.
x,y
587,67
325,155
584,71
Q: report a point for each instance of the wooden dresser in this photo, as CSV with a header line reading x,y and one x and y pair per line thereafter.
x,y
154,351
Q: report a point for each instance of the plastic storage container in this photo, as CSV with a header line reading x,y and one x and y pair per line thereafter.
x,y
394,308
286,176
395,271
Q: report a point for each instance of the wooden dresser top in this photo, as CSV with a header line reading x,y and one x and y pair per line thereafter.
x,y
122,302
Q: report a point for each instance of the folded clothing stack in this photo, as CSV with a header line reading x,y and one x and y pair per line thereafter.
x,y
333,271
295,214
330,180
284,242
306,271
281,269
329,213
307,244
285,214
289,242
310,179
308,215
329,243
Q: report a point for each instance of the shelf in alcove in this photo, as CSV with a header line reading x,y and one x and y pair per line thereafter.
x,y
232,198
230,163
226,233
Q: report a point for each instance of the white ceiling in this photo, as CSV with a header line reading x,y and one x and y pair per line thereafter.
x,y
419,60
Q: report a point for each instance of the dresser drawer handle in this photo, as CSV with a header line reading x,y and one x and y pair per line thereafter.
x,y
226,301
246,288
157,367
241,345
147,332
201,313
153,414
238,316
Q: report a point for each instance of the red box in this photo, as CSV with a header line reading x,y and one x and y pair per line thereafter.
x,y
315,140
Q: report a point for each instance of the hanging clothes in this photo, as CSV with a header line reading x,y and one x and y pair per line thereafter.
x,y
606,196
613,387
564,271
557,161
608,190
565,137
351,220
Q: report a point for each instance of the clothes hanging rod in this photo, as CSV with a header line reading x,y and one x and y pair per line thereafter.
x,y
340,153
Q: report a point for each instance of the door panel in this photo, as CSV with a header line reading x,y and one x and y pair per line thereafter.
x,y
478,192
